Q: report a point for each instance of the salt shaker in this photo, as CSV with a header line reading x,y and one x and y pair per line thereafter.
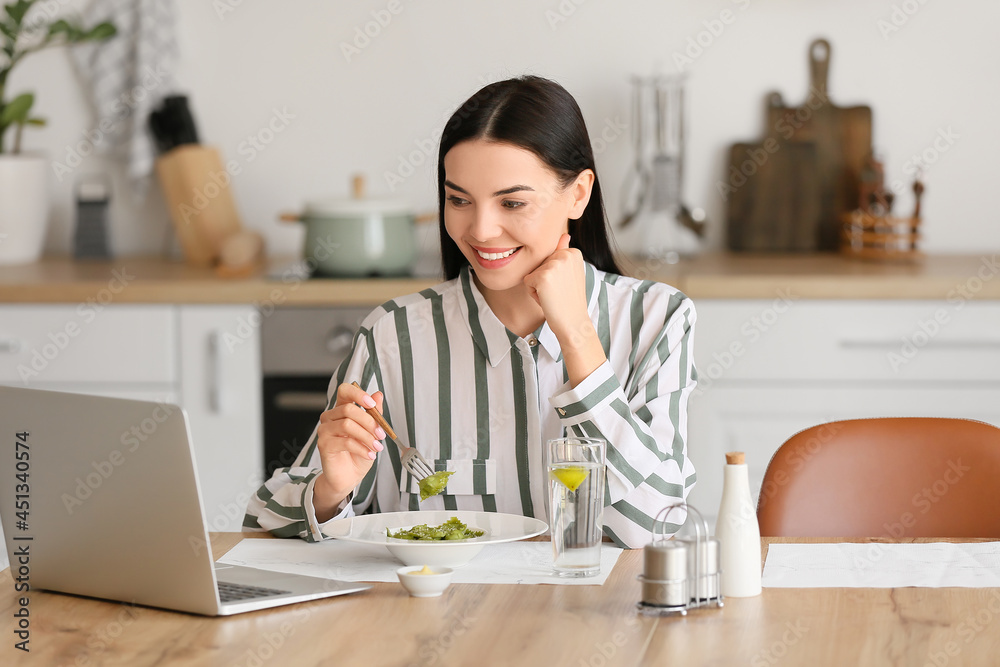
x,y
738,532
665,572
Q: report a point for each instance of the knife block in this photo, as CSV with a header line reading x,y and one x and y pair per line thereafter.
x,y
196,186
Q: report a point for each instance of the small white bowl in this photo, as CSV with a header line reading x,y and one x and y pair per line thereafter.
x,y
424,585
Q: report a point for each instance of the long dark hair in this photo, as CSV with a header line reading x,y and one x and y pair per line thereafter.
x,y
538,115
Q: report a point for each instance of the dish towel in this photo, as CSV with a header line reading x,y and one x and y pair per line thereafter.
x,y
127,76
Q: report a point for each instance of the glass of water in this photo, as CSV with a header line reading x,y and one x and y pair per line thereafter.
x,y
575,468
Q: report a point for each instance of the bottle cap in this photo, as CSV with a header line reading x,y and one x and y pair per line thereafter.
x,y
735,458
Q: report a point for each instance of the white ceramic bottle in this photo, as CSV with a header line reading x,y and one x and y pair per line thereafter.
x,y
738,532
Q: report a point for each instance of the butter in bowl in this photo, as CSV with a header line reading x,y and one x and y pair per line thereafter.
x,y
423,581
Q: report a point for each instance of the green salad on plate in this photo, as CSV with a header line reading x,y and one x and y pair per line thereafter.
x,y
452,529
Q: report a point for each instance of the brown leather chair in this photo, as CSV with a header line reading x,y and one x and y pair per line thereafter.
x,y
892,477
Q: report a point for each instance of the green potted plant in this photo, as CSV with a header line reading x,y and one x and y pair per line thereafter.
x,y
24,203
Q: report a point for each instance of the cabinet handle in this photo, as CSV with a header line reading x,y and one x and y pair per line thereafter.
x,y
11,346
213,363
939,344
339,340
311,401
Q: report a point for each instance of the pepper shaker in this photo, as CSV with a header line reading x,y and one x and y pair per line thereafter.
x,y
665,574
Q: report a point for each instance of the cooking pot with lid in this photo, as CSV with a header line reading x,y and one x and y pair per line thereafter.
x,y
359,236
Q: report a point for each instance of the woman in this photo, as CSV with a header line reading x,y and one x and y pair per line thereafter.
x,y
534,335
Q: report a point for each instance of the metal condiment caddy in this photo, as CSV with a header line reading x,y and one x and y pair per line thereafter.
x,y
680,573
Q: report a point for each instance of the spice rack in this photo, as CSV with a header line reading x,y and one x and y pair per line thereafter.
x,y
880,237
870,232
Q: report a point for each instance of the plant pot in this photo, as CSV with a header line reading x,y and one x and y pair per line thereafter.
x,y
24,207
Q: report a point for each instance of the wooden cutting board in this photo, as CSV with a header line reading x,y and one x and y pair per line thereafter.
x,y
841,138
777,208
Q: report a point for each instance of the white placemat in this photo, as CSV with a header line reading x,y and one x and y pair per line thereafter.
x,y
880,565
508,563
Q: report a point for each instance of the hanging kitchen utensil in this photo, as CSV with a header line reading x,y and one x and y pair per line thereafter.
x,y
662,226
666,167
692,219
637,179
681,143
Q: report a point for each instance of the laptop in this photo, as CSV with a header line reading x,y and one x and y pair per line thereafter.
x,y
99,497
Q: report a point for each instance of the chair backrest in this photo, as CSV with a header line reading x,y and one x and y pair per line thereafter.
x,y
891,477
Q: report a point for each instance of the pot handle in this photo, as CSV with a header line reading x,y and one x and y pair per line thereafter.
x,y
290,217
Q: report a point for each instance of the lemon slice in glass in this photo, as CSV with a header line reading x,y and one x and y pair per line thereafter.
x,y
571,476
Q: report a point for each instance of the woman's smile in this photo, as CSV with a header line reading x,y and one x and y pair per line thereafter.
x,y
495,258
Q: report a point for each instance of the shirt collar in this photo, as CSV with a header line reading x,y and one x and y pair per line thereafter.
x,y
489,333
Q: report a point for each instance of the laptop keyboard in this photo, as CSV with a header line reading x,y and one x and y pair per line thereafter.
x,y
232,592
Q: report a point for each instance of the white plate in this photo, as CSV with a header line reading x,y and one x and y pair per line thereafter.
x,y
371,529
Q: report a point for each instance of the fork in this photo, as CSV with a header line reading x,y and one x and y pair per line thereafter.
x,y
413,462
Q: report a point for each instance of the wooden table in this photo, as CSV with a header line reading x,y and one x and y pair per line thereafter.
x,y
523,625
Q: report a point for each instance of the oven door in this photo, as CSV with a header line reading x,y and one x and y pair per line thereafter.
x,y
292,405
301,349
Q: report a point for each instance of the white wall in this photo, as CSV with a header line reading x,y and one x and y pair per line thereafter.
x,y
938,71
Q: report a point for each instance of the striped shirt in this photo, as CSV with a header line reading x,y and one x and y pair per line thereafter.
x,y
475,398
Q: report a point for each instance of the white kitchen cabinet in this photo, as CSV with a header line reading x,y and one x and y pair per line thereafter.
x,y
41,345
220,388
770,368
107,350
206,358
